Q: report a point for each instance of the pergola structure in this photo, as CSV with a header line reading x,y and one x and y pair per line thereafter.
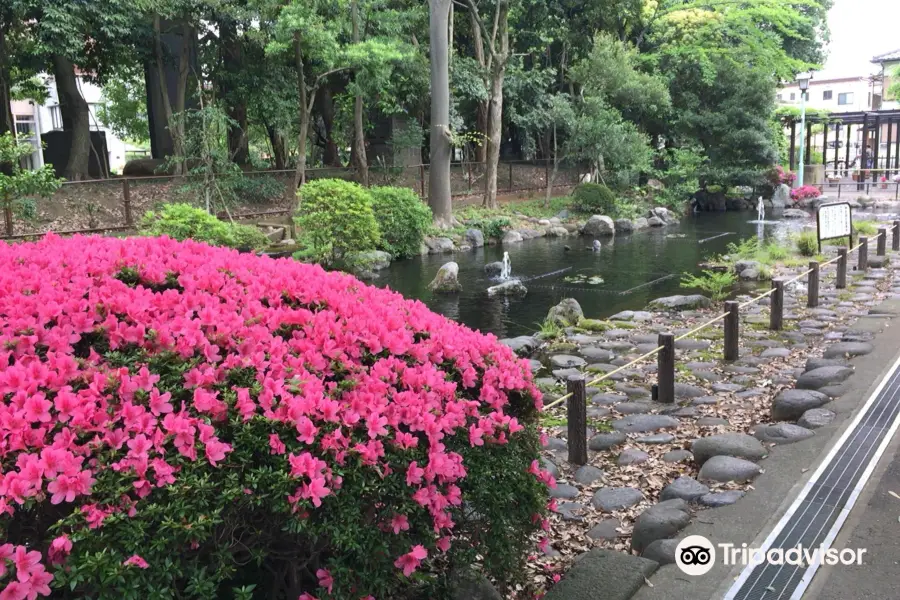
x,y
868,129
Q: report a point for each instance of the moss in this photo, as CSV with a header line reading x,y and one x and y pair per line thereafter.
x,y
624,325
549,420
594,325
601,425
562,347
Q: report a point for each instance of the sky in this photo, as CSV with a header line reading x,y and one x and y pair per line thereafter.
x,y
860,29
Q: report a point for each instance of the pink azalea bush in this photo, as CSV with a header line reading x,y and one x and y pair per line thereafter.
x,y
778,175
186,421
805,192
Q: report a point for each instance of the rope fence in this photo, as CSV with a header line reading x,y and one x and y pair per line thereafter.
x,y
664,390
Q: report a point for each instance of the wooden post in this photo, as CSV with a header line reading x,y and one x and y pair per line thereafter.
x,y
666,368
422,181
126,201
469,172
863,263
510,177
841,282
776,315
577,419
732,330
812,294
895,240
8,219
881,247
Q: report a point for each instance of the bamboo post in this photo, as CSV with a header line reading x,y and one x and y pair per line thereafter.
x,y
881,247
812,287
776,314
841,282
666,368
863,262
126,201
732,330
577,419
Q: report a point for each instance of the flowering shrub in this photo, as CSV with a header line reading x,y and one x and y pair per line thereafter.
x,y
805,192
183,421
777,175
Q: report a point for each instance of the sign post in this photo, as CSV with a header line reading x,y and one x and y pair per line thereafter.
x,y
834,221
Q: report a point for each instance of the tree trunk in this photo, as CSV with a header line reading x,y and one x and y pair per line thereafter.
x,y
235,103
552,178
174,114
76,118
325,105
300,171
359,135
439,173
481,110
6,118
495,115
278,153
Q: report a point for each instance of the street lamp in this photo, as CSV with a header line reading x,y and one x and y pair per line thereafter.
x,y
803,82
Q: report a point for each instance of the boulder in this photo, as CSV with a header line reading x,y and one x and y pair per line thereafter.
x,y
512,287
677,456
609,499
520,345
663,214
602,573
624,226
823,376
739,445
511,237
598,226
373,260
557,231
742,265
146,166
790,405
795,213
781,433
658,522
641,223
662,551
717,499
680,302
728,468
782,196
843,349
446,281
564,491
815,418
567,313
686,488
655,222
493,269
475,237
439,245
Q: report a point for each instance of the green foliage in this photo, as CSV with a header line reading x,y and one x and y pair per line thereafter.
x,y
336,217
403,220
123,107
678,173
550,329
491,228
595,199
867,228
717,284
182,221
256,189
18,184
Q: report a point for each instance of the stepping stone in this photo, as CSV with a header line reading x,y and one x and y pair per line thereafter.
x,y
609,499
776,353
522,344
605,441
790,405
616,334
571,511
662,551
707,376
751,393
607,399
632,390
554,444
564,491
535,365
700,365
682,390
782,433
635,408
677,456
727,388
632,456
686,488
718,499
812,324
613,574
605,530
815,418
550,467
597,354
597,412
564,361
588,474
683,412
646,339
656,438
728,468
584,340
564,374
644,423
645,348
741,370
689,344
658,522
848,349
739,445
702,400
546,382
819,378
617,346
817,363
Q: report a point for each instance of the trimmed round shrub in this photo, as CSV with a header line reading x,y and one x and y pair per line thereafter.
x,y
336,218
182,221
596,199
184,421
402,218
808,243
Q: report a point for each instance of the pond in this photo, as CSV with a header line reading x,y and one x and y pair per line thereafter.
x,y
629,271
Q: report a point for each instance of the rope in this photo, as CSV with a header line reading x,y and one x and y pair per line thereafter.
x,y
800,276
704,326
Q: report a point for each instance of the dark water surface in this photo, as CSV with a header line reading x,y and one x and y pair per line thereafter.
x,y
635,269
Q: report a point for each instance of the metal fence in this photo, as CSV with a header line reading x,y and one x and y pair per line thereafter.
x,y
117,204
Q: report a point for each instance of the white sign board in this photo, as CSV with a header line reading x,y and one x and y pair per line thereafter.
x,y
834,221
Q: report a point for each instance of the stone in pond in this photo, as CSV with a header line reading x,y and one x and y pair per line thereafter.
x,y
511,237
795,213
446,281
609,499
680,302
599,226
728,468
739,445
567,313
520,345
601,355
686,488
439,245
493,269
475,237
513,287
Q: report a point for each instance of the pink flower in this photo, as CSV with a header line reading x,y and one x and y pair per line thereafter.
x,y
325,579
306,596
410,561
136,561
25,562
443,544
216,451
399,523
276,445
60,548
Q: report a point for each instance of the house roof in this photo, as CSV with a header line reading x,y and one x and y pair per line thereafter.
x,y
887,56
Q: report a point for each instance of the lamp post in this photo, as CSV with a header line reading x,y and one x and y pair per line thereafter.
x,y
803,82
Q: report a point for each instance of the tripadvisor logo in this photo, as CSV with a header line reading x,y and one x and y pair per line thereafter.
x,y
695,555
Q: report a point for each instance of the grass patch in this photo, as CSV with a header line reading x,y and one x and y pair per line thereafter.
x,y
562,347
601,425
549,420
549,330
594,325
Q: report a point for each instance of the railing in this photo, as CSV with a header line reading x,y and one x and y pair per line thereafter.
x,y
576,396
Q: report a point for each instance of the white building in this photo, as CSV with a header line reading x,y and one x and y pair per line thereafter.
x,y
836,95
33,120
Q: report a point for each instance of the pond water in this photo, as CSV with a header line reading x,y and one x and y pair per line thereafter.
x,y
634,269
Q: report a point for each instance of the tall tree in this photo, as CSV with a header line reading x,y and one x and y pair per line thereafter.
x,y
439,197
